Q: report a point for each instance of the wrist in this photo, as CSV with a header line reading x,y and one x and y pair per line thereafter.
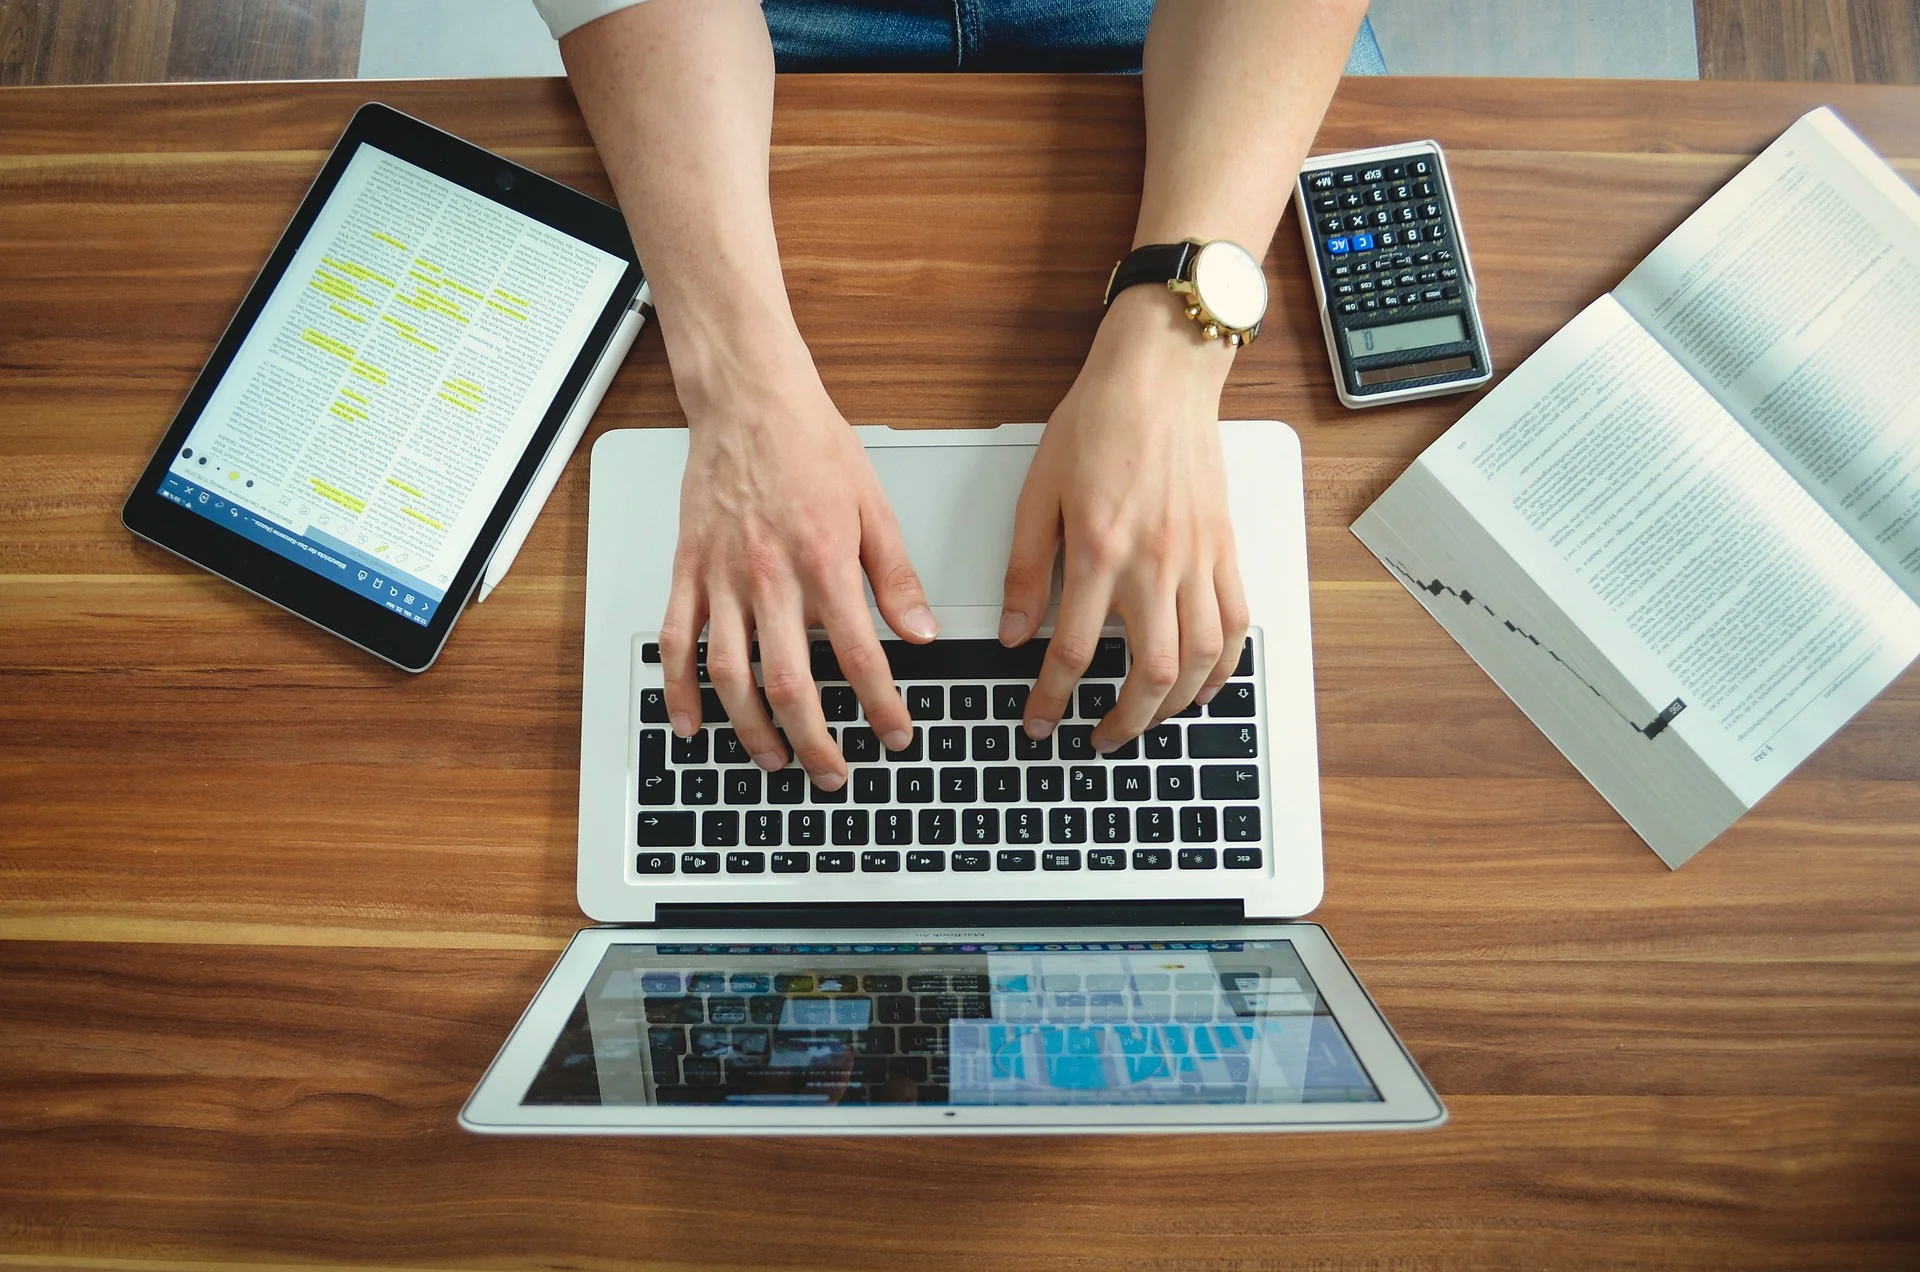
x,y
1146,331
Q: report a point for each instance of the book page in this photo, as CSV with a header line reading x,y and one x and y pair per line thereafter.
x,y
1714,599
1793,295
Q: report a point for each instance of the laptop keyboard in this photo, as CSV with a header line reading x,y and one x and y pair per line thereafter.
x,y
971,793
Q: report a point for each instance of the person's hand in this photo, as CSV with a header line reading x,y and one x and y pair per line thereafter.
x,y
1129,472
780,512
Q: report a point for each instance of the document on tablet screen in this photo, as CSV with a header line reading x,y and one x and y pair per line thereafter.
x,y
377,407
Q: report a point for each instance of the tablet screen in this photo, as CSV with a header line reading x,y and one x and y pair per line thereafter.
x,y
375,410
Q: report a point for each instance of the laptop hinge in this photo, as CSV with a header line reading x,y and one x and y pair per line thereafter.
x,y
917,914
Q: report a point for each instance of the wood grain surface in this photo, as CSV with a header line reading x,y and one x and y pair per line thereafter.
x,y
267,907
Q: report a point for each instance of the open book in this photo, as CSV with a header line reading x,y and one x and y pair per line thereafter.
x,y
1684,536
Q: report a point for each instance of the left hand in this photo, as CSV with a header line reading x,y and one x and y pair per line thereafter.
x,y
1129,473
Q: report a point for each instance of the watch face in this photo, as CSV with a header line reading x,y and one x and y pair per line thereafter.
x,y
1230,284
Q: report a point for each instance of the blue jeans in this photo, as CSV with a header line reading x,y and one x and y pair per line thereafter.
x,y
978,35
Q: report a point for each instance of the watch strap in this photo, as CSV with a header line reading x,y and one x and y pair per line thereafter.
x,y
1155,263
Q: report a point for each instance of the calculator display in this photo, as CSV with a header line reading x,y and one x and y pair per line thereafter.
x,y
1419,334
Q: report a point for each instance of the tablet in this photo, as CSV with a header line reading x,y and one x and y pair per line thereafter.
x,y
365,428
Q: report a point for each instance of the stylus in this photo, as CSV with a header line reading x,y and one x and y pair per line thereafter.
x,y
563,445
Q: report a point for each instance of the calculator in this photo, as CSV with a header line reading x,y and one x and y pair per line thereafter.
x,y
1390,268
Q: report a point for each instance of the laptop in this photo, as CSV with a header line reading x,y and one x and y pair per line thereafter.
x,y
976,933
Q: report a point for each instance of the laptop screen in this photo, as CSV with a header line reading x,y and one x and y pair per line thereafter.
x,y
1121,1023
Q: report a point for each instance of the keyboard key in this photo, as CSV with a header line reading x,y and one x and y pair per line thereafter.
x,y
1152,859
1087,783
1106,859
792,862
911,754
967,702
926,702
746,863
1133,781
691,750
980,826
879,861
883,985
1229,781
1000,785
1024,826
1222,741
860,746
937,825
1013,859
1198,859
947,744
817,795
763,830
1010,701
1111,826
1060,859
1076,741
1173,782
674,1011
849,827
1153,826
1162,743
1026,748
1243,824
699,863
654,863
653,706
896,1009
990,742
1245,666
1067,825
1235,699
1128,750
838,703
971,861
872,786
788,786
1198,825
740,786
971,660
727,748
834,862
712,710
650,651
720,829
1046,784
923,861
915,785
666,830
807,827
1097,700
792,983
656,782
893,826
1243,858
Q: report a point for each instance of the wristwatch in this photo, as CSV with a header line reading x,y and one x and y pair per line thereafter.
x,y
1225,289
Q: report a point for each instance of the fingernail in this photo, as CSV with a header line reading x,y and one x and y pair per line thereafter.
x,y
683,724
920,622
827,781
1206,695
1013,626
1106,746
1038,729
898,740
772,761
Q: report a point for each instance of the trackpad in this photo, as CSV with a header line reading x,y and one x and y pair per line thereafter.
x,y
955,505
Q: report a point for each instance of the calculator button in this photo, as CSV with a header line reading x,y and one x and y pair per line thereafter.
x,y
1363,242
1429,276
1357,221
1432,293
1430,210
1406,214
1451,291
1349,306
1406,279
1412,233
1391,302
1385,237
1420,168
1332,225
1366,284
1361,267
1437,231
1370,303
1337,247
1341,271
1376,196
1448,274
1425,258
1327,203
1346,178
1400,193
1382,217
1443,255
1350,200
1321,181
1395,171
1410,298
1374,174
1344,289
1423,189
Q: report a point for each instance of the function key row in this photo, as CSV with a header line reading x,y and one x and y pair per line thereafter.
x,y
958,659
1236,700
960,860
1417,169
935,827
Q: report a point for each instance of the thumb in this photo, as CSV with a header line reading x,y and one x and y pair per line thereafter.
x,y
896,585
1029,582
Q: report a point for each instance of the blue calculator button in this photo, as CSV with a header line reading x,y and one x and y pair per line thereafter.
x,y
1337,246
1363,242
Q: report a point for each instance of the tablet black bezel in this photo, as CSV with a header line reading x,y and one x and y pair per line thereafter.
x,y
358,619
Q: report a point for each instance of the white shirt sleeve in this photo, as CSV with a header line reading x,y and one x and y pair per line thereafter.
x,y
564,15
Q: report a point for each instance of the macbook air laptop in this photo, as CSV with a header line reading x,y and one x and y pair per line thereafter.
x,y
979,932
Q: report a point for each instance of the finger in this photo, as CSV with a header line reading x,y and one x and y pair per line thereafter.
x,y
786,672
1153,636
1084,601
1200,644
679,651
863,661
1234,620
730,667
896,585
1036,541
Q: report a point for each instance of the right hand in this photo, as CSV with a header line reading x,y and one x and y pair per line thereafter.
x,y
780,512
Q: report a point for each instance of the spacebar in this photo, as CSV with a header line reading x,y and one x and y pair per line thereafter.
x,y
971,660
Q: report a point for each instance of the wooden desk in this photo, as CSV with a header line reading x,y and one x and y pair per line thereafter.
x,y
269,907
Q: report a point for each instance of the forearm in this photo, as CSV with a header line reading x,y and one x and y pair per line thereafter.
x,y
679,97
1234,91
